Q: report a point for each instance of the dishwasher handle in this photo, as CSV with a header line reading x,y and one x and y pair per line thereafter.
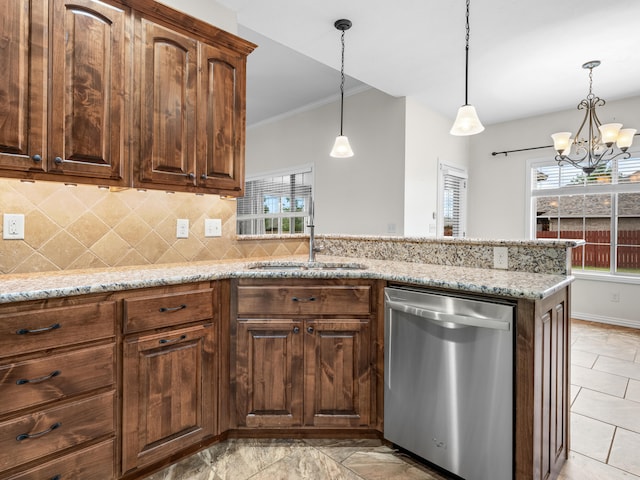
x,y
448,320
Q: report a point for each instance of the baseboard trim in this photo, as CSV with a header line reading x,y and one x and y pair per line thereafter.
x,y
623,322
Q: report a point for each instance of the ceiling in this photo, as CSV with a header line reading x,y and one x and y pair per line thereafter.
x,y
525,57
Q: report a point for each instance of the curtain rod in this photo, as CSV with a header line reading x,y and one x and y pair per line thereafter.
x,y
507,152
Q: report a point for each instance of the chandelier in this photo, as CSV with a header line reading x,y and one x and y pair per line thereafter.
x,y
598,147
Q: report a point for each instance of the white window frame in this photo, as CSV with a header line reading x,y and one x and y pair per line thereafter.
x,y
307,169
444,169
531,216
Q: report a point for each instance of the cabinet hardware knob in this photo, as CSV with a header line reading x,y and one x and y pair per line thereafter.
x,y
190,176
23,381
24,331
296,329
58,160
173,309
303,300
24,436
164,341
203,176
36,158
310,329
56,477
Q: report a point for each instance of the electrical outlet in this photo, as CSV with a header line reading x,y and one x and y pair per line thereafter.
x,y
13,226
182,228
501,257
212,227
614,297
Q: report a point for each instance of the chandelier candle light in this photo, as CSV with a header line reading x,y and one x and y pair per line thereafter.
x,y
341,147
467,121
587,153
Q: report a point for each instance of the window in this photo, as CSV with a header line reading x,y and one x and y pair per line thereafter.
x,y
452,201
276,203
602,208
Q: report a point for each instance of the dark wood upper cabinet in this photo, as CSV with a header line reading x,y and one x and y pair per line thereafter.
x,y
221,116
23,86
166,75
126,93
90,58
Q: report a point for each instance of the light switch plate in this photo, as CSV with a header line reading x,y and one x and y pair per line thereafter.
x,y
212,227
182,228
13,226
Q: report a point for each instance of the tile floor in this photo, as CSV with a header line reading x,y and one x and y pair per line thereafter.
x,y
605,430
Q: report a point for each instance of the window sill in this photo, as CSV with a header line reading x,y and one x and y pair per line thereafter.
x,y
606,277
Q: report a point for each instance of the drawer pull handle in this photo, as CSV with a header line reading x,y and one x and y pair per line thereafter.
x,y
303,300
164,341
56,477
173,309
24,436
310,329
296,329
22,381
24,331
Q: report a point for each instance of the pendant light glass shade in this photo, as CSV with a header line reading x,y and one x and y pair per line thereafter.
x,y
467,122
341,148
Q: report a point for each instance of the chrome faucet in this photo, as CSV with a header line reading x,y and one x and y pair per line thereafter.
x,y
312,237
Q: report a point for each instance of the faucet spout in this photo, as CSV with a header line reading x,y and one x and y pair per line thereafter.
x,y
313,249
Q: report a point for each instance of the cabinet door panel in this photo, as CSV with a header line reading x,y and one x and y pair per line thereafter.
x,y
23,46
337,385
269,373
87,107
167,393
222,120
167,82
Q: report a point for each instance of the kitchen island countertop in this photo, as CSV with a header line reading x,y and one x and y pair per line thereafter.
x,y
43,285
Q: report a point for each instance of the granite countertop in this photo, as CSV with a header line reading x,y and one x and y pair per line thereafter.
x,y
35,286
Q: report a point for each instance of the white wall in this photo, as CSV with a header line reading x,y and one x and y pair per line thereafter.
x,y
427,140
359,195
210,12
497,197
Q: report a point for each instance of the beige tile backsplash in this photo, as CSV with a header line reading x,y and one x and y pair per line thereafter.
x,y
69,227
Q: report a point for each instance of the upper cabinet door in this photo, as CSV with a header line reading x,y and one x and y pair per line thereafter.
x,y
89,63
23,85
167,82
221,132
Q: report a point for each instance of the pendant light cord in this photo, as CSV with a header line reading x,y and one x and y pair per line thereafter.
x,y
466,64
342,84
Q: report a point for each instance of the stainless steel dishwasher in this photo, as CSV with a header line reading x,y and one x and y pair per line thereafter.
x,y
448,394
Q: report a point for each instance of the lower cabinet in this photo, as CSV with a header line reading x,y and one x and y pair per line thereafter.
x,y
542,387
168,379
166,393
302,369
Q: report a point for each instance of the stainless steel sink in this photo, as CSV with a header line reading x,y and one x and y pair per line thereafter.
x,y
280,266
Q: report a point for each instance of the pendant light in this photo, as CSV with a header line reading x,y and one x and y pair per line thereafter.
x,y
341,147
467,121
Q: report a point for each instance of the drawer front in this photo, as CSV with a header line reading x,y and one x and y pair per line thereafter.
x,y
95,462
34,382
33,436
35,330
292,300
155,311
